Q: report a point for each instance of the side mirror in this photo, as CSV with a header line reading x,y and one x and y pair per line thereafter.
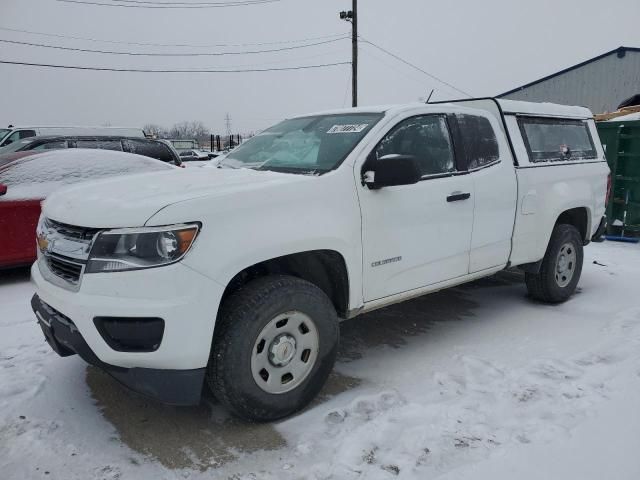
x,y
391,170
3,189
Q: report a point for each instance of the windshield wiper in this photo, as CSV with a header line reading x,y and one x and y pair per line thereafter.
x,y
299,171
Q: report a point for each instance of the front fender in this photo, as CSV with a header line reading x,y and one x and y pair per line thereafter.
x,y
239,231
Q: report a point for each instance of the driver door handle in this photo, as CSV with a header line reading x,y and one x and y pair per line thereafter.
x,y
458,196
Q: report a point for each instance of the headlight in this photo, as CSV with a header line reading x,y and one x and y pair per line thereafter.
x,y
41,242
135,248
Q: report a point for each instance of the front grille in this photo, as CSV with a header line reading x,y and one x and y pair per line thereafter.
x,y
64,268
71,231
64,251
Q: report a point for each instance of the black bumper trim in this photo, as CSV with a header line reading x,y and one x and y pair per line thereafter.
x,y
173,387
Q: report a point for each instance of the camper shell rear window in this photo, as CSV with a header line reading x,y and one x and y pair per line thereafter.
x,y
556,139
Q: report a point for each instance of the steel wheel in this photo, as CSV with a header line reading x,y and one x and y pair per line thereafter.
x,y
565,264
285,352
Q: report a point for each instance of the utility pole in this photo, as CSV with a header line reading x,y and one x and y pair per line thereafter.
x,y
352,16
354,55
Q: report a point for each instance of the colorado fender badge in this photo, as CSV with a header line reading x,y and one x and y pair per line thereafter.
x,y
385,261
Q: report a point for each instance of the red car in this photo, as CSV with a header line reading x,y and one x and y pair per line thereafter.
x,y
26,180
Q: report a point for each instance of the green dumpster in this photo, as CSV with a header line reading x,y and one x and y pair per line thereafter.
x,y
621,141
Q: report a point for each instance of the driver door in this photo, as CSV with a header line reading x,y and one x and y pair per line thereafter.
x,y
417,235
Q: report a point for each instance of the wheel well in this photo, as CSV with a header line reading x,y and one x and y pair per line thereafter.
x,y
579,218
324,268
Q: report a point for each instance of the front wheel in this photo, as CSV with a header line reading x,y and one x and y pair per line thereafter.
x,y
561,267
274,347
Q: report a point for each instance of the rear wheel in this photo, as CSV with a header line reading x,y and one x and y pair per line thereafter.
x,y
561,267
274,347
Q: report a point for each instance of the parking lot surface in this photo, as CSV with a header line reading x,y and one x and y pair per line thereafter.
x,y
473,382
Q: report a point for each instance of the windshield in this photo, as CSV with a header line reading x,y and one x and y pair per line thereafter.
x,y
309,145
4,132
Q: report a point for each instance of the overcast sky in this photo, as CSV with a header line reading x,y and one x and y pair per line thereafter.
x,y
482,47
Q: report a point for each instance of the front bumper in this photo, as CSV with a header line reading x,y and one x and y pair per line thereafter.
x,y
186,301
174,387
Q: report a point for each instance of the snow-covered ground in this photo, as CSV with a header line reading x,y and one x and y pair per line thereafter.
x,y
476,382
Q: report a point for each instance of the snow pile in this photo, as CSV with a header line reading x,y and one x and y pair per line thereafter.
x,y
481,383
457,419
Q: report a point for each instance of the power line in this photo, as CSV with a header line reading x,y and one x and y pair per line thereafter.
x,y
285,60
139,70
415,67
190,54
143,44
386,62
238,3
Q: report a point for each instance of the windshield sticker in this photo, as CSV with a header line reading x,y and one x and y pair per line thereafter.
x,y
356,128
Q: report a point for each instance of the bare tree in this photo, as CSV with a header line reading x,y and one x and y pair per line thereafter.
x,y
193,129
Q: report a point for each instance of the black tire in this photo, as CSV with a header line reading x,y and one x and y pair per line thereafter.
x,y
242,319
547,285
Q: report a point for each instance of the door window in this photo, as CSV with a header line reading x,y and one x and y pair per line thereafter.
x,y
115,145
20,134
26,133
86,144
426,138
99,143
150,148
57,145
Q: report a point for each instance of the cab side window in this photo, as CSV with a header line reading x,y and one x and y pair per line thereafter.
x,y
424,137
478,141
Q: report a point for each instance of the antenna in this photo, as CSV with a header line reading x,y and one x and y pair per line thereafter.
x,y
429,97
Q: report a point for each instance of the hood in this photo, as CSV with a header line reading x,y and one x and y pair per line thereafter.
x,y
130,201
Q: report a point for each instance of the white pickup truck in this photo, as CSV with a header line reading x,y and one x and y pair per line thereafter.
x,y
237,276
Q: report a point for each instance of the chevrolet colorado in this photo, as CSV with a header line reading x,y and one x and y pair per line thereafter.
x,y
236,277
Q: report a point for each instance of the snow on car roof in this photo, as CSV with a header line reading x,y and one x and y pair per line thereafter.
x,y
37,176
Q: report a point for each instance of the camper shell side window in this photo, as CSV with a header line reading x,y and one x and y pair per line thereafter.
x,y
556,139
